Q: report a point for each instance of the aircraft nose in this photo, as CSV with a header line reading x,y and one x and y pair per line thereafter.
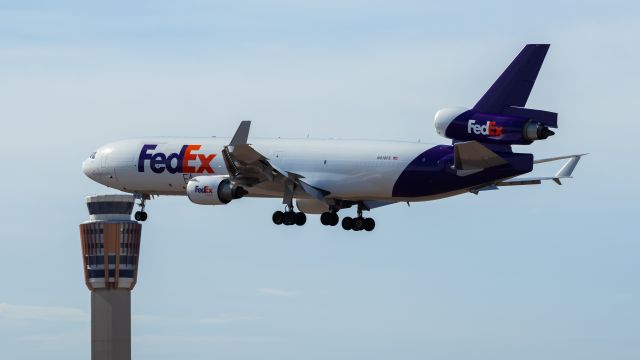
x,y
89,168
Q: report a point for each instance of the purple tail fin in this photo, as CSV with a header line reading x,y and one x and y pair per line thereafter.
x,y
513,87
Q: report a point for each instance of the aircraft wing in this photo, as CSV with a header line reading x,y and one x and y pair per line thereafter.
x,y
247,167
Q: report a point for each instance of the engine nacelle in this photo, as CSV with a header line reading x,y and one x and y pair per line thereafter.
x,y
213,190
516,126
312,206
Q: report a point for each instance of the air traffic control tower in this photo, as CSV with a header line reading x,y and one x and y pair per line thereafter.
x,y
110,249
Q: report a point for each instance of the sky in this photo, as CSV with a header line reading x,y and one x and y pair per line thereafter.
x,y
530,272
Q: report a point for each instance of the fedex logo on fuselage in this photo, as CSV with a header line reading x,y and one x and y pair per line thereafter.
x,y
182,162
489,129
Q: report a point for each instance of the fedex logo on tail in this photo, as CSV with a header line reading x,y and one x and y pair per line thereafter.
x,y
489,129
183,162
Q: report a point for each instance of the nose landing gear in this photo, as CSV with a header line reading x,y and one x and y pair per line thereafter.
x,y
141,215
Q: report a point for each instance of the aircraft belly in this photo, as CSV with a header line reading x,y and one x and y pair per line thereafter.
x,y
430,175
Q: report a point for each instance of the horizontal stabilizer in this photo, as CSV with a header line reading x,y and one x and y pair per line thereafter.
x,y
564,173
472,155
539,161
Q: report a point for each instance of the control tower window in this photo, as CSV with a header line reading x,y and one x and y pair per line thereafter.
x,y
115,207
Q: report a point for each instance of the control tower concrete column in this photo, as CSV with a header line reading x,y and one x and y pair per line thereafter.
x,y
110,248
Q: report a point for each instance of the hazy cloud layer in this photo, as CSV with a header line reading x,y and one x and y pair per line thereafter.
x,y
276,292
48,313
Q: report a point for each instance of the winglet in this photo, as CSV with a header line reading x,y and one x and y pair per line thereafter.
x,y
242,134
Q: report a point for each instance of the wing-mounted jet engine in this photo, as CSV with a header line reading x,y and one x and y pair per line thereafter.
x,y
213,190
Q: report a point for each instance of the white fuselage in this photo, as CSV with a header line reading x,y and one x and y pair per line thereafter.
x,y
348,169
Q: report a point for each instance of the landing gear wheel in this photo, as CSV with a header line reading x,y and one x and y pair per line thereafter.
x,y
334,219
358,223
140,216
278,217
301,219
347,223
289,218
329,218
369,224
325,218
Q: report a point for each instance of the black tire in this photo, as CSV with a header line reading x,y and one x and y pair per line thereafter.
x,y
301,219
144,216
358,223
347,223
289,218
137,216
369,224
325,218
334,219
278,217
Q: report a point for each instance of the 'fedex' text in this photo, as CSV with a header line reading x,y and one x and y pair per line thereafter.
x,y
489,129
186,161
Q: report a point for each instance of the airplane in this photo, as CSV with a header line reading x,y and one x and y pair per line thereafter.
x,y
328,176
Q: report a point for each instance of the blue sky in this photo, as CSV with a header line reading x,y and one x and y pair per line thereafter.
x,y
529,273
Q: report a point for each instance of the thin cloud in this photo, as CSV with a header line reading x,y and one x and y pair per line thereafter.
x,y
154,319
159,340
276,292
216,319
63,339
53,313
226,319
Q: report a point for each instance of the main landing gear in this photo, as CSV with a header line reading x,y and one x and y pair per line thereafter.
x,y
289,217
141,215
358,223
329,218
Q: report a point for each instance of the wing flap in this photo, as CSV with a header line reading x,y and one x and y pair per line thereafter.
x,y
248,167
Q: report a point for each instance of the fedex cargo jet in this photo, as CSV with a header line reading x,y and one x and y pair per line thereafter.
x,y
328,176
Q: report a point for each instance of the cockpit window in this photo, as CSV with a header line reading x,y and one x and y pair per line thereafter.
x,y
93,155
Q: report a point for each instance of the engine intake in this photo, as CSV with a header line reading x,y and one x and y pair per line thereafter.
x,y
213,190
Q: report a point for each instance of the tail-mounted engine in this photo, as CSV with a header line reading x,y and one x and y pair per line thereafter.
x,y
213,190
519,126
